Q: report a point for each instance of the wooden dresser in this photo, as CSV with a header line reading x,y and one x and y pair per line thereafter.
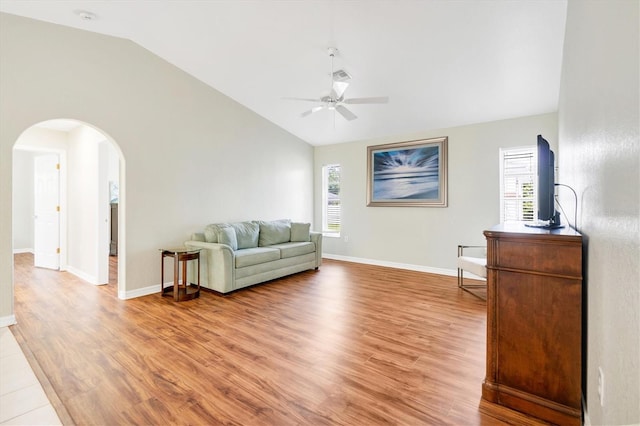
x,y
534,319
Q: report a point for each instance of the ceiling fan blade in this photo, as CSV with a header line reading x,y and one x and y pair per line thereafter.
x,y
301,99
345,112
375,100
311,111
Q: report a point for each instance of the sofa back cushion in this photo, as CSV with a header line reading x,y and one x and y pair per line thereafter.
x,y
211,232
274,232
247,234
300,232
227,236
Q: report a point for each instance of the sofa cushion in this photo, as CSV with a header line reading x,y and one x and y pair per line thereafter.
x,y
295,249
271,270
274,232
247,234
228,236
300,231
211,232
254,256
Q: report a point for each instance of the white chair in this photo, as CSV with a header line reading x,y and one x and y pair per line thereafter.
x,y
474,264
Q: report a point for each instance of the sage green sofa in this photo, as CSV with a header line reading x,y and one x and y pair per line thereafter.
x,y
241,254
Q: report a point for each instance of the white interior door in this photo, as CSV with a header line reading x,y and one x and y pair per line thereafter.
x,y
46,208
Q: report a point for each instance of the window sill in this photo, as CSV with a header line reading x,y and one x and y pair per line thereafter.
x,y
331,234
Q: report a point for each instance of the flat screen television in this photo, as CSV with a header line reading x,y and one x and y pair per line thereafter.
x,y
548,217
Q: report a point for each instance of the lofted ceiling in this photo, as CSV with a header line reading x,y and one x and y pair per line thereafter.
x,y
441,63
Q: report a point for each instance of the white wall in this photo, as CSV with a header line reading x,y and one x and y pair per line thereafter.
x,y
23,201
85,206
192,156
113,166
32,142
84,210
599,130
426,238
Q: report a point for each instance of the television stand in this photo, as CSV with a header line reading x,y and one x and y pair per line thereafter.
x,y
534,322
541,224
553,223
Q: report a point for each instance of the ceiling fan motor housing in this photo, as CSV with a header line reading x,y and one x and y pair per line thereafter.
x,y
341,75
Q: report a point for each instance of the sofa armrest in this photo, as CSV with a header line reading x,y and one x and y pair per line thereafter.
x,y
198,236
316,238
217,266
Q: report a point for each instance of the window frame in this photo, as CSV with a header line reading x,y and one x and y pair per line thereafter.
x,y
326,230
530,154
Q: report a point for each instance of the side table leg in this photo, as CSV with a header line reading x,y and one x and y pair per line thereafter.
x,y
176,277
161,274
185,281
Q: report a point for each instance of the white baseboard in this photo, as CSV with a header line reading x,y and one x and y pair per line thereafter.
x,y
8,320
23,250
80,274
407,266
139,292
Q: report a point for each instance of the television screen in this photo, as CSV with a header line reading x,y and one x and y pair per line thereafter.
x,y
546,160
547,215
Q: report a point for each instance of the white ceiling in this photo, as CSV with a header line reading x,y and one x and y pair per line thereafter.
x,y
442,63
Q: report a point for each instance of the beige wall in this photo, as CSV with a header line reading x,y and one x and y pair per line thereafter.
x,y
191,155
426,238
600,157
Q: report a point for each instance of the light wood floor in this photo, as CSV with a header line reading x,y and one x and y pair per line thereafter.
x,y
349,344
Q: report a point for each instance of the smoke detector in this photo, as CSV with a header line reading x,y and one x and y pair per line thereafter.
x,y
86,15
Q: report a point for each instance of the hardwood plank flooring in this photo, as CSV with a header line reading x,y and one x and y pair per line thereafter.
x,y
349,344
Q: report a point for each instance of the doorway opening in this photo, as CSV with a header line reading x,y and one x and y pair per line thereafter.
x,y
80,227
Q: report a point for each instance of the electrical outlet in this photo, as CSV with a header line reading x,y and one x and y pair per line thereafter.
x,y
346,239
601,386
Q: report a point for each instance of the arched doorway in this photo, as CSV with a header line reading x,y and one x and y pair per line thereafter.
x,y
92,178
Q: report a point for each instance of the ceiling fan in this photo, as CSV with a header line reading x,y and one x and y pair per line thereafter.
x,y
335,100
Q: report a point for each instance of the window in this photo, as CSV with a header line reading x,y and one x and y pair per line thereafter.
x,y
518,180
331,200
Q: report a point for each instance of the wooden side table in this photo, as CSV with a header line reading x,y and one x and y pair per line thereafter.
x,y
184,291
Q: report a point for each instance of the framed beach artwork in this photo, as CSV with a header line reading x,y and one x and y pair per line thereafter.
x,y
410,174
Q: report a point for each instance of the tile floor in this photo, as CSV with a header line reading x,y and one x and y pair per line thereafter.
x,y
22,400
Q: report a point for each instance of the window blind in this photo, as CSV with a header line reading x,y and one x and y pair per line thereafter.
x,y
331,205
518,180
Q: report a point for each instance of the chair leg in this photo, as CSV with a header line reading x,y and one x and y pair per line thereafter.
x,y
461,284
468,288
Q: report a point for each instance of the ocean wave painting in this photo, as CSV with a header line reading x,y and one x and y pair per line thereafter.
x,y
408,173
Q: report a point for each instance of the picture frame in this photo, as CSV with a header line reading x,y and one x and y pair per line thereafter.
x,y
408,174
